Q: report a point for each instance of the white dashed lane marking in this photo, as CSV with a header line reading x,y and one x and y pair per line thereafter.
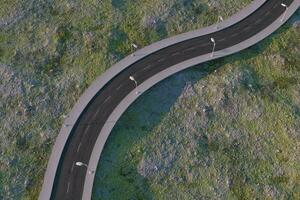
x,y
68,187
247,28
175,54
235,34
202,45
191,48
78,148
258,21
86,130
145,68
72,166
160,60
96,113
148,67
107,99
119,87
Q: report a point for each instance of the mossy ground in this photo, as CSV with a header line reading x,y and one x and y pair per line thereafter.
x,y
50,51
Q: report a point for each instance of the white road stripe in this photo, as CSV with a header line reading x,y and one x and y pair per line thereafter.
x,y
258,20
202,45
107,99
72,166
119,87
68,187
176,53
160,60
86,130
148,67
247,28
78,148
96,113
235,34
145,68
191,48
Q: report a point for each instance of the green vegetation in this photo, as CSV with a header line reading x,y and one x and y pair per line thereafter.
x,y
50,51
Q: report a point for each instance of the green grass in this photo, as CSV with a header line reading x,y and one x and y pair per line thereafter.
x,y
50,52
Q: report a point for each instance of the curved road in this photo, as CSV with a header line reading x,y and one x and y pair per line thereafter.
x,y
69,179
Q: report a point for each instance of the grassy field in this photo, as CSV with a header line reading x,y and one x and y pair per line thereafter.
x,y
51,51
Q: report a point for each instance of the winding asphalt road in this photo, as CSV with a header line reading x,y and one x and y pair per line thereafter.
x,y
69,179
